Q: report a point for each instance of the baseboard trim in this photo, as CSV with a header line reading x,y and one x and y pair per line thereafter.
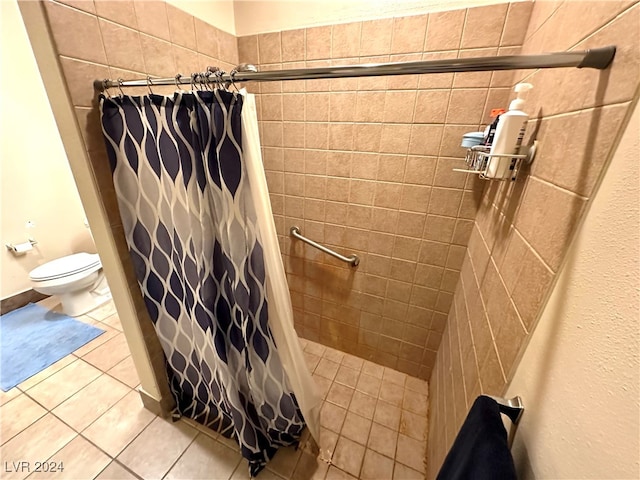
x,y
162,408
18,300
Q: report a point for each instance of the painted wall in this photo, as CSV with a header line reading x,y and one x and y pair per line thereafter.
x,y
219,13
252,17
35,182
579,377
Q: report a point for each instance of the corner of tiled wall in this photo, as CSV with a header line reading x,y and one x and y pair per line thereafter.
x,y
522,229
364,165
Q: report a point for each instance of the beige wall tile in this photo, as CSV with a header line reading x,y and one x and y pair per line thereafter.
x,y
119,11
370,106
69,25
559,210
181,27
156,61
248,49
483,26
408,34
516,22
318,43
431,106
345,40
425,139
269,47
466,106
152,18
444,30
123,46
293,45
395,138
376,37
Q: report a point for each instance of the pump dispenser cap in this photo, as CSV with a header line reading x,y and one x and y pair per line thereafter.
x,y
521,89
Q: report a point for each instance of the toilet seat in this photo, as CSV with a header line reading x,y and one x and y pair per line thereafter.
x,y
71,265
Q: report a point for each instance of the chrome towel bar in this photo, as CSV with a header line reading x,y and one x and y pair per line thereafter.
x,y
353,259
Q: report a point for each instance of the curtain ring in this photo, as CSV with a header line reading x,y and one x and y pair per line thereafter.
x,y
193,81
207,77
120,83
149,84
177,80
232,74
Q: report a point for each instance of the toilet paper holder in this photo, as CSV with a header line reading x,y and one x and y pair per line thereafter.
x,y
19,248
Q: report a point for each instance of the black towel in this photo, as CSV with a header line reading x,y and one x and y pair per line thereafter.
x,y
480,450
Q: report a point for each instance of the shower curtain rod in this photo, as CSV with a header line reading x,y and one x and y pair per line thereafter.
x,y
598,58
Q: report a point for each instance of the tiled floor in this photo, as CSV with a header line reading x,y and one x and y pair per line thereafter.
x,y
84,411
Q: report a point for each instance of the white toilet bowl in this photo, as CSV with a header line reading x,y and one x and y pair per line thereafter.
x,y
76,279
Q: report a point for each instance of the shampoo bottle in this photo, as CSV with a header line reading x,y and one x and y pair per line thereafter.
x,y
509,133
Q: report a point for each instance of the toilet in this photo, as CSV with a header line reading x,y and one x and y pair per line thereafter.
x,y
78,280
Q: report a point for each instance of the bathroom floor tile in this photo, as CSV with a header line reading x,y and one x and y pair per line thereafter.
x,y
79,458
347,376
113,321
363,404
47,372
336,474
402,472
115,429
387,415
348,456
203,457
115,471
332,417
356,428
310,467
376,466
154,451
109,354
51,303
103,311
414,426
80,410
285,461
39,441
126,372
108,334
411,452
17,415
55,389
383,440
415,403
8,396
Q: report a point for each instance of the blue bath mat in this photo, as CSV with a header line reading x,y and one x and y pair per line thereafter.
x,y
32,338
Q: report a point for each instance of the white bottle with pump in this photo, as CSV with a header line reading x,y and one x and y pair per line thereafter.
x,y
509,133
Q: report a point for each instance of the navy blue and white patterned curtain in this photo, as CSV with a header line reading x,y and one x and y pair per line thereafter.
x,y
190,223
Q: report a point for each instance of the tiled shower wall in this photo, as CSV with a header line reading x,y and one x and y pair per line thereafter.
x,y
126,39
522,230
364,165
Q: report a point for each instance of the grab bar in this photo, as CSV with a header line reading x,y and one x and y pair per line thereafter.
x,y
353,259
511,407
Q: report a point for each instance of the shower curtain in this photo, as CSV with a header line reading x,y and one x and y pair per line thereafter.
x,y
192,204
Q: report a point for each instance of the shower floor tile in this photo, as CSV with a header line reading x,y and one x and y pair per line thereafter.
x,y
373,421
